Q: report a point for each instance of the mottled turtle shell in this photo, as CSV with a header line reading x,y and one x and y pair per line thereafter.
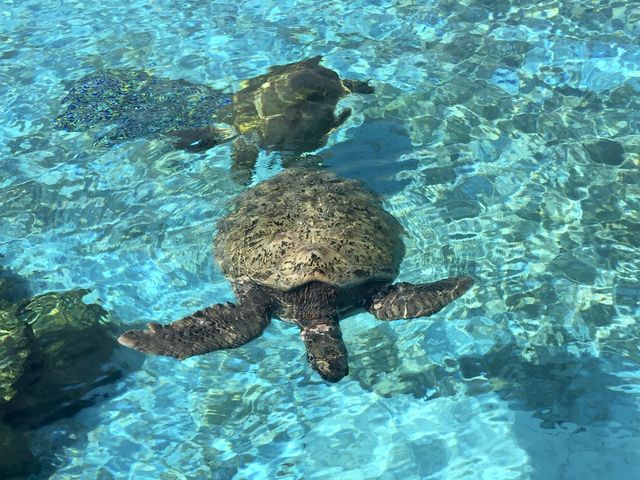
x,y
136,104
308,225
300,96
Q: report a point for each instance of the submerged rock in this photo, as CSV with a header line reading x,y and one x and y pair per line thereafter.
x,y
15,335
51,312
55,353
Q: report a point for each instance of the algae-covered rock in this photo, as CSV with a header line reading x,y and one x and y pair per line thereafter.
x,y
55,350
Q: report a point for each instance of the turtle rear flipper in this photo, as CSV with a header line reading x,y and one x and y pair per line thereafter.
x,y
219,327
404,300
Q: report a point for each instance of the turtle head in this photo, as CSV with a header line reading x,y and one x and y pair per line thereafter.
x,y
326,352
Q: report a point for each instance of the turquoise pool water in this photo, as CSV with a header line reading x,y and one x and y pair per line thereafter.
x,y
503,135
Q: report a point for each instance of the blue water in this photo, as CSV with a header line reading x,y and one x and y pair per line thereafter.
x,y
482,138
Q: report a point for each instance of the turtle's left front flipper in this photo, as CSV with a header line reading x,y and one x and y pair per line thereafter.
x,y
218,327
404,300
196,139
201,139
358,86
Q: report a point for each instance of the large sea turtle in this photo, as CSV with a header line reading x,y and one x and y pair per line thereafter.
x,y
309,248
290,109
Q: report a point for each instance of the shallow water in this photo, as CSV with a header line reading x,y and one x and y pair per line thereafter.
x,y
485,138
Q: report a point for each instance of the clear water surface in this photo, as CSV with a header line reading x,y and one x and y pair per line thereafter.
x,y
485,137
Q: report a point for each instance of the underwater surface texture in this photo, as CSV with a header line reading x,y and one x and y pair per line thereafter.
x,y
503,135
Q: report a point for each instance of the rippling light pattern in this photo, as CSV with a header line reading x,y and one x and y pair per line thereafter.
x,y
504,135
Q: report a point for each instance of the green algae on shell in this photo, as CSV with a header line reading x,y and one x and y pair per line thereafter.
x,y
15,348
130,104
64,346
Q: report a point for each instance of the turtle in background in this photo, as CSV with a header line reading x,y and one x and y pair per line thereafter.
x,y
131,104
309,248
290,109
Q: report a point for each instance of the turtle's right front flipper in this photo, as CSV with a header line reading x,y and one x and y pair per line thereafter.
x,y
244,155
218,327
404,300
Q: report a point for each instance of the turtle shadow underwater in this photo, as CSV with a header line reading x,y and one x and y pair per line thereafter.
x,y
291,109
585,405
576,400
375,154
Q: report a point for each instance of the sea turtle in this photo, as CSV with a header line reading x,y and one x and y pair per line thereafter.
x,y
130,104
41,340
41,380
290,109
310,248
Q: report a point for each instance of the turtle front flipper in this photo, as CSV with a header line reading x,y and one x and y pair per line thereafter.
x,y
244,156
218,327
358,86
199,139
404,300
342,117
